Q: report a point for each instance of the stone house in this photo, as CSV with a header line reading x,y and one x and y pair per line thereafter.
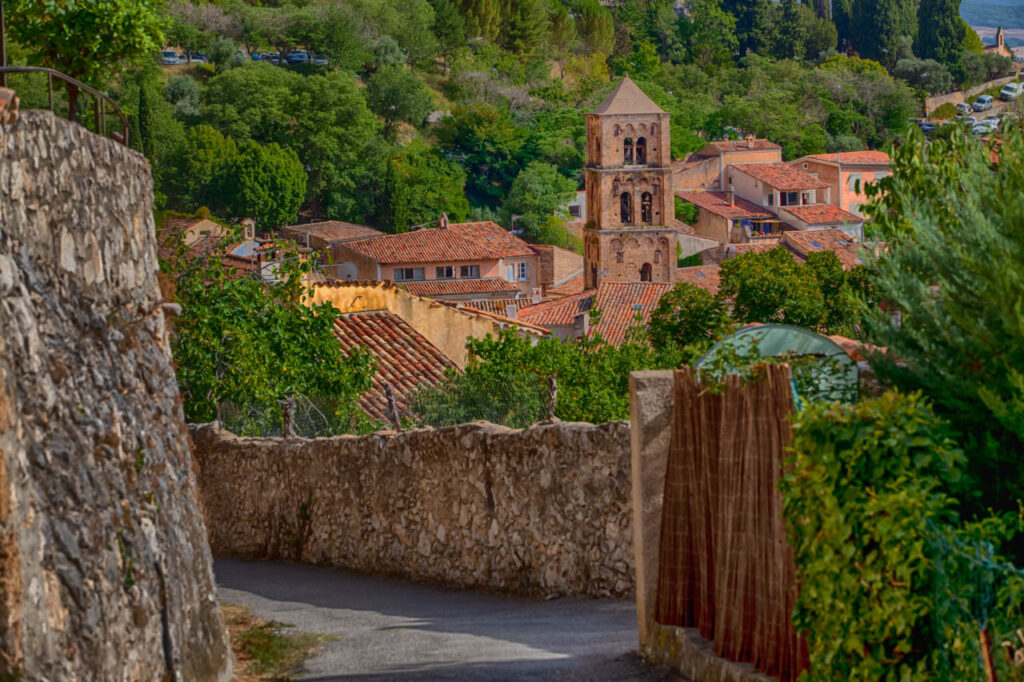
x,y
847,174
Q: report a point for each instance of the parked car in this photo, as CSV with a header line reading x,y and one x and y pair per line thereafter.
x,y
169,57
297,57
985,127
272,57
963,109
1011,91
318,59
200,58
927,127
983,103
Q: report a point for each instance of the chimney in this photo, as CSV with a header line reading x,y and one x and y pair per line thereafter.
x,y
510,310
732,195
750,141
443,222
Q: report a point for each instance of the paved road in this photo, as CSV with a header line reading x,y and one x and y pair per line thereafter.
x,y
393,630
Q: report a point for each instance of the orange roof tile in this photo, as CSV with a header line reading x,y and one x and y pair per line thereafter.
x,y
781,176
456,287
704,276
332,231
804,242
574,285
405,358
620,303
718,204
499,306
458,242
559,312
865,158
757,144
822,214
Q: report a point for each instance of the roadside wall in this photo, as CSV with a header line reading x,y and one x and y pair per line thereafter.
x,y
542,511
105,569
936,101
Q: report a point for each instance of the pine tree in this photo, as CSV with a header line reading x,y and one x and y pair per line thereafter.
x,y
753,23
449,28
842,17
940,32
790,35
483,18
523,25
596,28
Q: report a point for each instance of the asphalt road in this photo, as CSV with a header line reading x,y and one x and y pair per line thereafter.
x,y
393,630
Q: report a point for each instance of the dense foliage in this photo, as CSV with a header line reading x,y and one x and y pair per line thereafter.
x,y
891,585
953,221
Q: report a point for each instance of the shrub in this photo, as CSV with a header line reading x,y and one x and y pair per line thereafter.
x,y
890,587
944,112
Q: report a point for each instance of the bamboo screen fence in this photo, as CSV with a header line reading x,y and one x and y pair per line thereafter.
x,y
725,567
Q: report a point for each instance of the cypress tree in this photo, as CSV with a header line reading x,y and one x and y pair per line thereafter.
x,y
940,32
145,127
753,23
878,26
790,34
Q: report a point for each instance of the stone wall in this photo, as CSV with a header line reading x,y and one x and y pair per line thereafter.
x,y
936,101
105,570
544,511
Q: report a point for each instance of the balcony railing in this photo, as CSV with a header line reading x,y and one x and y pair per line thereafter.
x,y
102,105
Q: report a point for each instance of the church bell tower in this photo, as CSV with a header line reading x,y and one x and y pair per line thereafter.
x,y
630,234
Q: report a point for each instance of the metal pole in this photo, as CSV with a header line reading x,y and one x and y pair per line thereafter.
x,y
3,46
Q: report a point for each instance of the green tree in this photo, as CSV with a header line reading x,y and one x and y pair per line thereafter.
x,y
536,194
421,185
927,74
711,34
242,340
972,41
595,27
771,287
879,26
483,18
524,23
820,33
266,183
196,169
486,141
449,28
688,315
790,35
561,33
397,95
842,17
941,33
753,23
88,41
843,292
953,267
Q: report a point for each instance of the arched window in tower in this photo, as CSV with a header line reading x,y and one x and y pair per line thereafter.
x,y
627,150
618,131
626,208
645,208
641,151
654,129
645,273
619,256
657,257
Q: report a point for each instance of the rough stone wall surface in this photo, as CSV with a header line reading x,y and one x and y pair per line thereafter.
x,y
105,570
543,511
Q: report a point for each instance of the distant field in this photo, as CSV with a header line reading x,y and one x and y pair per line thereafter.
x,y
1006,13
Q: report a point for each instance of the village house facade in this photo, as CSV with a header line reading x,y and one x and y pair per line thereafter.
x,y
847,174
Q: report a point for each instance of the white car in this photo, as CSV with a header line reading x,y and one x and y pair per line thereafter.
x,y
1011,91
983,103
169,57
963,109
985,127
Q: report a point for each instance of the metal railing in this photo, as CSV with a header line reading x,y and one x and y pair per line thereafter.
x,y
101,103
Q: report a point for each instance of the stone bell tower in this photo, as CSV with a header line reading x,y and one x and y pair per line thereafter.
x,y
630,234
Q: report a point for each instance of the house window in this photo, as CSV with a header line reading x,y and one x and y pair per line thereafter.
x,y
645,272
524,272
627,150
657,257
445,272
641,151
574,210
789,198
408,274
469,271
854,181
510,273
771,199
805,198
645,208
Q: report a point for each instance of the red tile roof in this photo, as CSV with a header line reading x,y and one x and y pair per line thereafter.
x,y
704,276
822,214
332,231
569,287
756,144
458,242
718,203
804,242
455,287
405,358
499,306
558,312
865,158
781,176
621,302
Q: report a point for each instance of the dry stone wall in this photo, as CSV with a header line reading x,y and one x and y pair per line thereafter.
x,y
543,511
105,570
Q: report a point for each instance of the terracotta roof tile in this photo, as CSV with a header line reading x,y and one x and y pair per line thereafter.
x,y
458,242
822,214
455,287
759,246
498,306
781,176
405,358
865,158
628,98
704,276
621,302
332,231
804,242
559,312
571,286
718,204
757,144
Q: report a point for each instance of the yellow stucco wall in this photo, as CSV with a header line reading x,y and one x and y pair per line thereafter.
x,y
444,326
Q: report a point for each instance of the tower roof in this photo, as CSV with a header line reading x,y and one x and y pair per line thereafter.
x,y
628,98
